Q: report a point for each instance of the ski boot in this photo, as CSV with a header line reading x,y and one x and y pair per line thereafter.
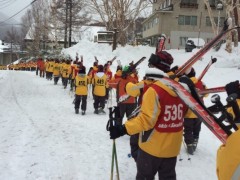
x,y
195,142
77,111
101,111
190,149
83,112
96,111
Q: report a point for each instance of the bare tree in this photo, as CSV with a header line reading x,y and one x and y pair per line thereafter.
x,y
214,27
69,16
119,14
37,21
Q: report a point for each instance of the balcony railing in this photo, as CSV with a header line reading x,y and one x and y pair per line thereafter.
x,y
213,6
167,8
189,5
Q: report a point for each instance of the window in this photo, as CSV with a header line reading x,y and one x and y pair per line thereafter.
x,y
187,20
212,2
221,22
169,2
189,1
165,4
183,41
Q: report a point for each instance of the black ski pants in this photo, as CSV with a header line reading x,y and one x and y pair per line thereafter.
x,y
192,127
99,101
148,166
65,81
56,78
81,99
125,108
37,71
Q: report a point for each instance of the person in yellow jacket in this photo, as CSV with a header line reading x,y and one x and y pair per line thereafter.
x,y
192,124
160,127
74,71
50,69
228,158
228,155
81,90
56,71
100,84
62,64
66,71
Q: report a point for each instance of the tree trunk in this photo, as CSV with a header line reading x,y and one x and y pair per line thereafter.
x,y
229,37
214,27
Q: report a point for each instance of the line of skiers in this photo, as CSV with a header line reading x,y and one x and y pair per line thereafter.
x,y
3,67
96,80
157,129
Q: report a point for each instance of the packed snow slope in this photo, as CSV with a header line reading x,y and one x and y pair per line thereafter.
x,y
42,138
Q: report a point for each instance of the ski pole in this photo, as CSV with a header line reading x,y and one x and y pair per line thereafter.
x,y
116,161
185,146
113,156
114,151
213,60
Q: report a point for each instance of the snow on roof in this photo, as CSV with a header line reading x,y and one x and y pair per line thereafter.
x,y
2,46
85,32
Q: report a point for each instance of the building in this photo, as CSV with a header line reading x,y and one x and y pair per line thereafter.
x,y
10,52
53,42
180,20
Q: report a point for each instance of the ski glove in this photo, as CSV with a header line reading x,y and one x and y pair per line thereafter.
x,y
233,87
117,131
174,69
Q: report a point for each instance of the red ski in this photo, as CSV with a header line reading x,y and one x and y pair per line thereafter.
x,y
202,51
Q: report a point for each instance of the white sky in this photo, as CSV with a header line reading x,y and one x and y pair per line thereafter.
x,y
42,138
11,7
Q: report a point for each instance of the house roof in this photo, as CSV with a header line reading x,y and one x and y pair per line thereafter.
x,y
85,32
2,46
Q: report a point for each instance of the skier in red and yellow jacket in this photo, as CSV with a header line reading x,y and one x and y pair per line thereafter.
x,y
160,125
228,156
126,105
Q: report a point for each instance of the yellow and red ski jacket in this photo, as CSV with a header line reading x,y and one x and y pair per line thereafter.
x,y
228,158
165,140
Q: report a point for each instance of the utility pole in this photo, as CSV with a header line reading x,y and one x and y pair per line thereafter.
x,y
235,11
114,39
11,46
66,25
70,24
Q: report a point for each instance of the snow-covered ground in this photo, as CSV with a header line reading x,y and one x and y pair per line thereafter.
x,y
42,138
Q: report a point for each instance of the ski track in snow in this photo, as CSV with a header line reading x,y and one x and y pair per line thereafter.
x,y
42,138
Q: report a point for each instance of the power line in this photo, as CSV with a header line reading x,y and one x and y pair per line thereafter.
x,y
7,4
18,12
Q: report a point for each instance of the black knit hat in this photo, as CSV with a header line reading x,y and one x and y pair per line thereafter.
x,y
162,60
233,87
100,68
82,70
